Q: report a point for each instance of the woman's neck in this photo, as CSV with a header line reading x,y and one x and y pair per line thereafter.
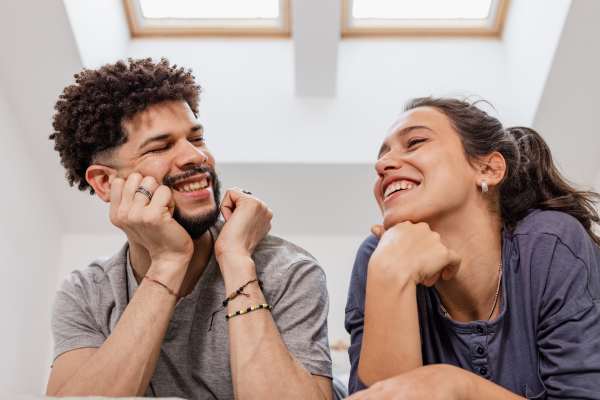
x,y
476,234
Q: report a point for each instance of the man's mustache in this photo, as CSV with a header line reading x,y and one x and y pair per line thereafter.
x,y
170,181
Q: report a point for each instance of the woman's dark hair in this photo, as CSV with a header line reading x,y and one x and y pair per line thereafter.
x,y
90,113
531,180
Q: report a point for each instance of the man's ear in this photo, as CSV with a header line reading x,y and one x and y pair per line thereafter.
x,y
492,169
100,177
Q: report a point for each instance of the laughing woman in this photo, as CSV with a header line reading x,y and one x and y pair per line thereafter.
x,y
484,279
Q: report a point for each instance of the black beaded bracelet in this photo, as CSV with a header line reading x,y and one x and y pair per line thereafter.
x,y
240,290
249,309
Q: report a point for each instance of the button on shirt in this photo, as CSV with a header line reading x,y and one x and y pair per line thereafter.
x,y
545,343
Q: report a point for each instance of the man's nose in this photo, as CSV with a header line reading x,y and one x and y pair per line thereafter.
x,y
188,154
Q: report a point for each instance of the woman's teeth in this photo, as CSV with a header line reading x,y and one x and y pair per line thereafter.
x,y
398,185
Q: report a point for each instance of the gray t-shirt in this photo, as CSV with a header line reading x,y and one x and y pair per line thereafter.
x,y
194,362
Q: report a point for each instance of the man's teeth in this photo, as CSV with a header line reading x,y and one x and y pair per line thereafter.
x,y
398,185
191,187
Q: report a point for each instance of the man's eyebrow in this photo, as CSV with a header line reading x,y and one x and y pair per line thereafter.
x,y
404,131
157,138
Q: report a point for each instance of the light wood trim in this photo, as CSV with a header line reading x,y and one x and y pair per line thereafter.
x,y
137,31
426,31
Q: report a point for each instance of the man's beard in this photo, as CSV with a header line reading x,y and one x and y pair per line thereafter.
x,y
197,225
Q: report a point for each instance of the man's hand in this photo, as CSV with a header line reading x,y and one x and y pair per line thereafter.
x,y
433,382
150,223
247,221
424,259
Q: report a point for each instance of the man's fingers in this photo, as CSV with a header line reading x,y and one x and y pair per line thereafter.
x,y
116,191
230,200
227,205
161,198
140,200
131,184
377,230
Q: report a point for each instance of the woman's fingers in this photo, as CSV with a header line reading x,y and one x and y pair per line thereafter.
x,y
450,271
377,230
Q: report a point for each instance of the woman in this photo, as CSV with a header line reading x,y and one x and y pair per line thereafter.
x,y
484,279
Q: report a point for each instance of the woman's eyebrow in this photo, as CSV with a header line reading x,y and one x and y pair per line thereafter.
x,y
402,132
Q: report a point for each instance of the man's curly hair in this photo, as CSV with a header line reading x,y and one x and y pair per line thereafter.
x,y
90,113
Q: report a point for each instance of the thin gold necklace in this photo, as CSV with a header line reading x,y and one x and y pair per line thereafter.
x,y
496,296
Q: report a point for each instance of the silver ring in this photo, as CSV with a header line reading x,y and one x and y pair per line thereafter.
x,y
144,191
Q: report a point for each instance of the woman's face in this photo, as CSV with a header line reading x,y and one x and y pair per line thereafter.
x,y
423,172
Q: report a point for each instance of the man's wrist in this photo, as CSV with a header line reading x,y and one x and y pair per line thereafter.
x,y
170,272
236,269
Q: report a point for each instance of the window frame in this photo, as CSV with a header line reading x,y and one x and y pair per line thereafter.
x,y
142,27
492,28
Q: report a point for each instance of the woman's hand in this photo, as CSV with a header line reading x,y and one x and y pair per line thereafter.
x,y
432,382
412,252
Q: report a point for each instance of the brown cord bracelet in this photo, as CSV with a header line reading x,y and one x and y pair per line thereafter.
x,y
163,285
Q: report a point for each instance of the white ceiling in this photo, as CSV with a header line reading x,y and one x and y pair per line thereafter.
x,y
298,121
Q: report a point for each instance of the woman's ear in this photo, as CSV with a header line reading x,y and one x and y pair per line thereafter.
x,y
99,178
491,169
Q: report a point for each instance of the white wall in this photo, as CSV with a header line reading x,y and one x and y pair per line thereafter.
x,y
30,247
531,34
568,111
100,28
252,114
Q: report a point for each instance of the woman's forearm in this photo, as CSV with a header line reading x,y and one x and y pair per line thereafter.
x,y
391,342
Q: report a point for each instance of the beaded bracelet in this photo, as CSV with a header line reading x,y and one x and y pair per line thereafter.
x,y
249,309
240,291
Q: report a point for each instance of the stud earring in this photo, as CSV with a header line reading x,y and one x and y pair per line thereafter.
x,y
484,186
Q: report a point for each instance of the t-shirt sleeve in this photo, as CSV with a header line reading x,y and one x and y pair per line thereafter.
x,y
73,323
300,313
569,322
355,309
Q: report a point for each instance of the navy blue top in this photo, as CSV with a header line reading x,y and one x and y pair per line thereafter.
x,y
545,343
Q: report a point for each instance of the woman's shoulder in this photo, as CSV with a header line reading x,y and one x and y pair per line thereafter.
x,y
553,225
555,248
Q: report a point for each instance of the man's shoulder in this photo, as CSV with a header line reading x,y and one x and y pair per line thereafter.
x,y
102,272
276,258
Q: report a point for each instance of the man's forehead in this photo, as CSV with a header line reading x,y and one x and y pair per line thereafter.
x,y
163,117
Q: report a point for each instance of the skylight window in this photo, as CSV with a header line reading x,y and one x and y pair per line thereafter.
x,y
208,17
423,17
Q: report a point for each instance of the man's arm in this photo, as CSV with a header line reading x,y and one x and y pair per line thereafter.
x,y
124,364
261,364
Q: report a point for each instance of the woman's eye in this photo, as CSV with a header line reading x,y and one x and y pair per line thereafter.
x,y
197,140
414,142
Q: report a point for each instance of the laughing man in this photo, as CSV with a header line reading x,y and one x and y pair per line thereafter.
x,y
192,306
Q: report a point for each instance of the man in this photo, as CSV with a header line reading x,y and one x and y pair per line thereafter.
x,y
192,306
